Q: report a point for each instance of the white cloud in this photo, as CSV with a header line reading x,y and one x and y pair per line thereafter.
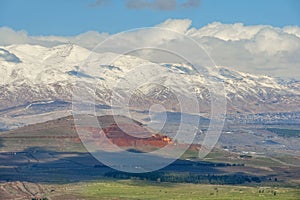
x,y
294,30
227,31
178,25
88,39
9,36
256,49
273,41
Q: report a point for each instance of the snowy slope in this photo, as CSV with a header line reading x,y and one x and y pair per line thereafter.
x,y
31,73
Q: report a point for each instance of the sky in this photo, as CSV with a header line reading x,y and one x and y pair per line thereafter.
x,y
72,17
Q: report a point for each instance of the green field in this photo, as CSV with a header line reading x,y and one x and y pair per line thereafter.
x,y
134,189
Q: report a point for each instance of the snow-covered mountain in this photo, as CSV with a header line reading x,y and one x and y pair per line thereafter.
x,y
32,75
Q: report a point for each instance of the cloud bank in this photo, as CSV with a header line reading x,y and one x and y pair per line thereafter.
x,y
260,49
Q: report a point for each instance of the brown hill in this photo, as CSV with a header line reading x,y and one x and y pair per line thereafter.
x,y
61,133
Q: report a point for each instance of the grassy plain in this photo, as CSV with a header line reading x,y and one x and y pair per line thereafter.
x,y
136,189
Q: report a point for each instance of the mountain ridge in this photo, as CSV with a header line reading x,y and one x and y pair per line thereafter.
x,y
51,74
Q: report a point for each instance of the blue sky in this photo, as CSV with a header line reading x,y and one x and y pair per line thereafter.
x,y
71,17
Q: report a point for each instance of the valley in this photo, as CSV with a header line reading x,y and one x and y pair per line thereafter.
x,y
48,160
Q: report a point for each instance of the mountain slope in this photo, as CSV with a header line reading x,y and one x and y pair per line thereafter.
x,y
31,73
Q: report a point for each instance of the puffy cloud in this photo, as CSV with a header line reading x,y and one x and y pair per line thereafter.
x,y
235,54
294,30
227,31
88,39
9,36
273,41
257,49
178,25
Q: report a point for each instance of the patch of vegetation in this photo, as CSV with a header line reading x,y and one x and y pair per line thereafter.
x,y
186,177
287,133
